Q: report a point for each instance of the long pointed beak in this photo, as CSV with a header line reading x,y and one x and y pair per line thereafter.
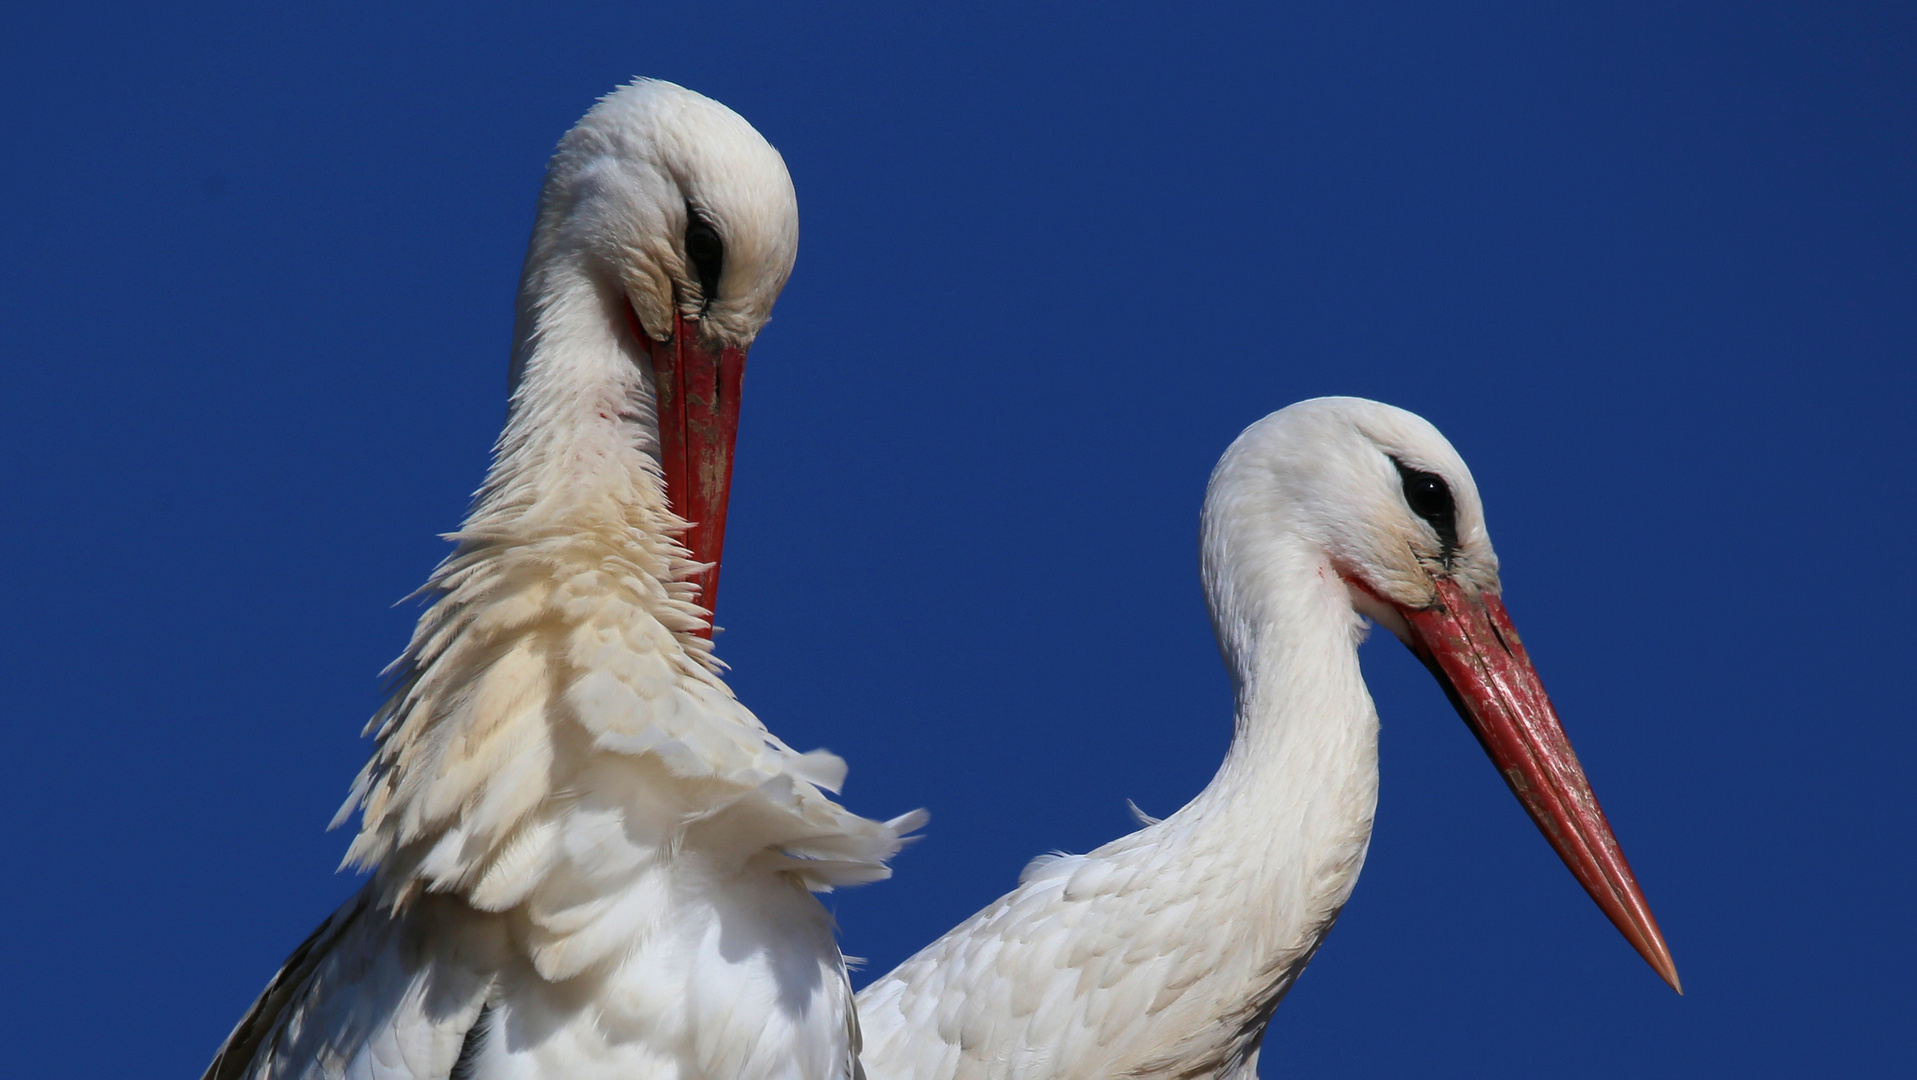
x,y
1468,642
698,401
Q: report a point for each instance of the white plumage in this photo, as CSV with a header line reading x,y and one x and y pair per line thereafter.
x,y
1163,953
589,859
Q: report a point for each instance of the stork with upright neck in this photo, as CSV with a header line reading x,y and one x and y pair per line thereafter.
x,y
1164,953
589,860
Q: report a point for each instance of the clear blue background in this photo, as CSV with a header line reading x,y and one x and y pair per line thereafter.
x,y
1650,266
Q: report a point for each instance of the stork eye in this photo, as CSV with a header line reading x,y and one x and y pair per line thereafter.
x,y
1430,498
707,253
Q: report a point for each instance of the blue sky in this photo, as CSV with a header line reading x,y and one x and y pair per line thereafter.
x,y
1649,266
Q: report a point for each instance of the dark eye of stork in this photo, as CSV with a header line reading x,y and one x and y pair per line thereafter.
x,y
707,253
1430,498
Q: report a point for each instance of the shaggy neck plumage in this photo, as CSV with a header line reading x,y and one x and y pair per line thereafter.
x,y
575,477
573,495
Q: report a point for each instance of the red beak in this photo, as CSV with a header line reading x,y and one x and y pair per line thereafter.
x,y
698,402
1469,644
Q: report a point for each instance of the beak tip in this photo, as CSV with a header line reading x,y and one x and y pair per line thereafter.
x,y
1658,955
1670,976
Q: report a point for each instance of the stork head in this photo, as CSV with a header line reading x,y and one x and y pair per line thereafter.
x,y
679,201
1376,496
682,221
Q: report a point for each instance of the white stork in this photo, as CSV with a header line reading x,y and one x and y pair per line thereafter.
x,y
588,859
1163,953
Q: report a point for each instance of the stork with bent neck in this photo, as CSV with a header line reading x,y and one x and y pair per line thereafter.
x,y
589,860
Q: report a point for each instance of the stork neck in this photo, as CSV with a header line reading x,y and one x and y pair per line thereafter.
x,y
580,445
1297,792
1289,637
